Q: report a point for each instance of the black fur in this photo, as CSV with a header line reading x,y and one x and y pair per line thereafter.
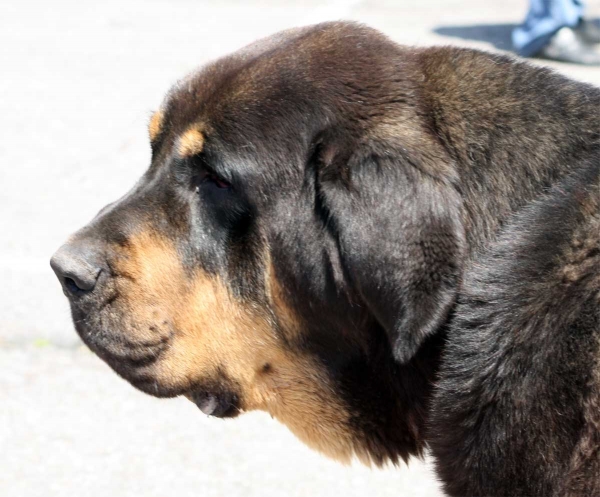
x,y
372,175
517,407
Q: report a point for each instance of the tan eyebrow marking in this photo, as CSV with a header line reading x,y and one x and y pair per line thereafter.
x,y
155,125
190,143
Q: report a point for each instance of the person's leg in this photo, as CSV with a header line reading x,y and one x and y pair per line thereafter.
x,y
544,19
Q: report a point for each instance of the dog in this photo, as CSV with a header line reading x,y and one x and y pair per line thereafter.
x,y
299,243
517,407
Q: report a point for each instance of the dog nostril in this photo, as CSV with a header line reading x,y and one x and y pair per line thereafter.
x,y
79,284
72,286
76,268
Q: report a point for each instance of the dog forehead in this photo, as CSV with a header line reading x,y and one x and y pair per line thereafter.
x,y
293,67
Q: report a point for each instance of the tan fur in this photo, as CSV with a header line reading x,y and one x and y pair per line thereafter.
x,y
155,125
210,332
190,143
287,320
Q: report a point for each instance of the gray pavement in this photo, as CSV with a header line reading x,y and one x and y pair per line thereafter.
x,y
78,83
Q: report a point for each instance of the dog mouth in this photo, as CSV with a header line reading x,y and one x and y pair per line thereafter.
x,y
112,334
117,349
132,359
137,361
128,358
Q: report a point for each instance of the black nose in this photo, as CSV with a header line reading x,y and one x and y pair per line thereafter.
x,y
77,268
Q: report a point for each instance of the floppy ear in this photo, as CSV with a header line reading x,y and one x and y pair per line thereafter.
x,y
400,236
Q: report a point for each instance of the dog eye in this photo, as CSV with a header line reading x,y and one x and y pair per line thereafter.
x,y
210,178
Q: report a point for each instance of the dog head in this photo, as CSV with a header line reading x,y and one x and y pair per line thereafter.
x,y
293,243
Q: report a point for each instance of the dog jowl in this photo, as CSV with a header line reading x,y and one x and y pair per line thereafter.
x,y
297,242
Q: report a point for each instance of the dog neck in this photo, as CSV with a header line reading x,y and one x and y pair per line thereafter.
x,y
509,129
392,403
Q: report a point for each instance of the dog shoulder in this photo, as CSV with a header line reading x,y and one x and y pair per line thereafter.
x,y
514,410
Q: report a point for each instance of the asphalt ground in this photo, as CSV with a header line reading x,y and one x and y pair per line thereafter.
x,y
78,82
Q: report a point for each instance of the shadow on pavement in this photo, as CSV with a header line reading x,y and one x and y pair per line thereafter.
x,y
499,35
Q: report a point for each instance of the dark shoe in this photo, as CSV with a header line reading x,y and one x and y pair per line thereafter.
x,y
588,31
568,46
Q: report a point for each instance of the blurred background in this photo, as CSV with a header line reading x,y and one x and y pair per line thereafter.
x,y
79,81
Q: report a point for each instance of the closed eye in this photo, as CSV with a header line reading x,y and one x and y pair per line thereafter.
x,y
213,178
201,173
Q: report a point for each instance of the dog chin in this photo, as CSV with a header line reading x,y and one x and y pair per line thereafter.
x,y
149,384
139,367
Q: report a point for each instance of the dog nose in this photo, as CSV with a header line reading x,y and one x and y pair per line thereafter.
x,y
76,267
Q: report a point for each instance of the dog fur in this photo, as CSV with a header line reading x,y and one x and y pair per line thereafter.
x,y
299,242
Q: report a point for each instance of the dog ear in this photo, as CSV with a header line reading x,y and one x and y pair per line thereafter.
x,y
400,235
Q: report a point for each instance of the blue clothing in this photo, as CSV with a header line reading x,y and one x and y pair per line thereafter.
x,y
544,19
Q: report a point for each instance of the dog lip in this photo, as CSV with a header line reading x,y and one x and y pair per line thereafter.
x,y
127,356
208,404
131,359
148,383
213,404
